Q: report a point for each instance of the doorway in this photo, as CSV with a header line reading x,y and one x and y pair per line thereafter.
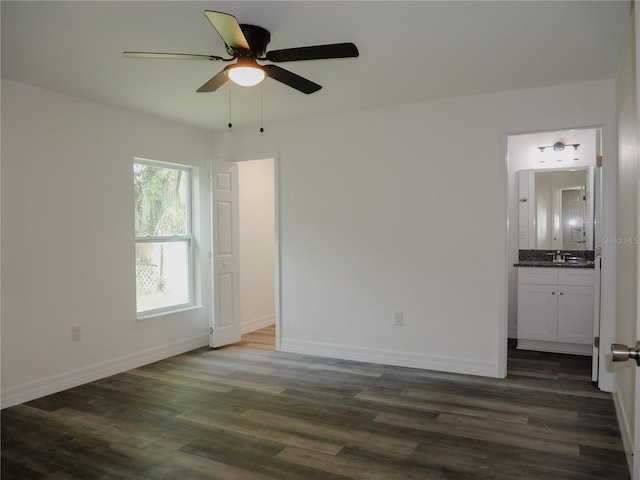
x,y
548,164
245,260
257,245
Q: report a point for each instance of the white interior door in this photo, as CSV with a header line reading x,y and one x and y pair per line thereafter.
x,y
226,304
634,351
636,413
636,423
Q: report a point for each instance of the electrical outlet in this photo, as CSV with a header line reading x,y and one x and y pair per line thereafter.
x,y
397,319
76,332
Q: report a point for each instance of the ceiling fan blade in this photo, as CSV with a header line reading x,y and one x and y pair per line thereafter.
x,y
316,52
228,28
214,83
171,56
291,79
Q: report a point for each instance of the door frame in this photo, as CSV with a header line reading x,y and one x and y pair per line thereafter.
x,y
607,219
634,458
276,230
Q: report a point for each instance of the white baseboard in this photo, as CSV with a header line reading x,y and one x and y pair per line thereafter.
x,y
391,357
625,426
556,347
257,323
57,383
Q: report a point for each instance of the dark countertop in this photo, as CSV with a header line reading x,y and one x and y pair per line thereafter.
x,y
542,263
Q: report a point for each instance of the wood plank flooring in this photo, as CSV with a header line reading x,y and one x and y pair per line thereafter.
x,y
248,412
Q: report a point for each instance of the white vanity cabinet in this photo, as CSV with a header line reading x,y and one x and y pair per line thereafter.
x,y
556,309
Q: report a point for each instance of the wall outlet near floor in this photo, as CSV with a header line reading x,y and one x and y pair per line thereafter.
x,y
397,319
76,332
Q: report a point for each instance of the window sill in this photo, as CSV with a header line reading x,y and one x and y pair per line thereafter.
x,y
164,313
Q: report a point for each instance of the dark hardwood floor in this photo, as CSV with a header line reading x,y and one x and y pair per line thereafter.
x,y
248,412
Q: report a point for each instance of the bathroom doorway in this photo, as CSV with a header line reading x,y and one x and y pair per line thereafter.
x,y
550,210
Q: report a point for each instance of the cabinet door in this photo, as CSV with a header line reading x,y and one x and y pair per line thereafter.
x,y
575,314
537,312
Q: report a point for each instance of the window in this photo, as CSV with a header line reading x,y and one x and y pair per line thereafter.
x,y
164,240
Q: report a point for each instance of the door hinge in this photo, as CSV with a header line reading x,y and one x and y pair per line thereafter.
x,y
210,330
596,342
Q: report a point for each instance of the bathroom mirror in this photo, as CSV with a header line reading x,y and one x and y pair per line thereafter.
x,y
556,209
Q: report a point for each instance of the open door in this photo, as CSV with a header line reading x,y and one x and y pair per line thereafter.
x,y
621,353
636,442
226,316
627,377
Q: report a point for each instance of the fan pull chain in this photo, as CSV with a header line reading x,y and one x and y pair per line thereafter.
x,y
261,129
230,124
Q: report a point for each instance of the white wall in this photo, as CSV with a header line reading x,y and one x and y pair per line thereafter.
x,y
256,244
404,208
393,209
626,237
68,240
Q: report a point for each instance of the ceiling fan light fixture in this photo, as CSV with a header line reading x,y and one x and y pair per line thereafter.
x,y
245,75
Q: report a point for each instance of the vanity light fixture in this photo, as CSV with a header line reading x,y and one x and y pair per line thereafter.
x,y
559,146
542,159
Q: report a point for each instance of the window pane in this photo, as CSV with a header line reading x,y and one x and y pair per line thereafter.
x,y
162,274
161,200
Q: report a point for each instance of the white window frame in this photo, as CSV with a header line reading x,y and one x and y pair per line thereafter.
x,y
188,237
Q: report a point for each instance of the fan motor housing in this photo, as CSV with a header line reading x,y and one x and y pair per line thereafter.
x,y
257,37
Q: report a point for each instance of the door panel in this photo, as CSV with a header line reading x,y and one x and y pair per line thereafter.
x,y
636,400
537,312
226,315
575,314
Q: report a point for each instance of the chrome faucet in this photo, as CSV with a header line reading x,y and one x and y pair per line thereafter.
x,y
558,256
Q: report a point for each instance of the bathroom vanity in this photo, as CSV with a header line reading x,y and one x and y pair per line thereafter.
x,y
557,292
556,307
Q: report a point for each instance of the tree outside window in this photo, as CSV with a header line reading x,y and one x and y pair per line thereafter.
x,y
164,242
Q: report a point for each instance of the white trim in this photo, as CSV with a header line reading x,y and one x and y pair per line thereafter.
x,y
556,347
257,323
608,277
277,265
626,431
57,383
503,329
391,357
167,312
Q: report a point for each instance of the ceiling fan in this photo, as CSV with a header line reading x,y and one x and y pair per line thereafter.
x,y
248,43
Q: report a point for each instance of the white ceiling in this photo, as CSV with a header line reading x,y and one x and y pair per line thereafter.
x,y
409,51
